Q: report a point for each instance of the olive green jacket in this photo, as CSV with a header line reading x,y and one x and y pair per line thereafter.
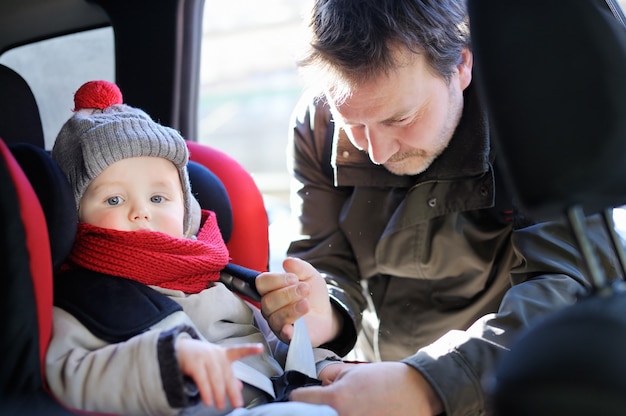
x,y
435,269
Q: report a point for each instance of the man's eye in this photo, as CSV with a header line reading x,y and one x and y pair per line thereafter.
x,y
114,200
157,199
398,121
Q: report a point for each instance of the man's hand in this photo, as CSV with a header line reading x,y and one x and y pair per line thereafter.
x,y
385,388
209,366
332,372
298,292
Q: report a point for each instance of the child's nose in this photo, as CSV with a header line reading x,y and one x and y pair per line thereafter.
x,y
139,212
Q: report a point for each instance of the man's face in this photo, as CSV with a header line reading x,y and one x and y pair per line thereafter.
x,y
406,118
136,194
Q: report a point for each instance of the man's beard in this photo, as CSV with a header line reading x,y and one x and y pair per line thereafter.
x,y
411,162
416,161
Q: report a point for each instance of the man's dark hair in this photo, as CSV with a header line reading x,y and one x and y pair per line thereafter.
x,y
355,40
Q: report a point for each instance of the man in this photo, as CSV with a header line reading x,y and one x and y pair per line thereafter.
x,y
402,208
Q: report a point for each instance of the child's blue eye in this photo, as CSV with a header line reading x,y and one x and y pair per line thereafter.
x,y
114,200
157,199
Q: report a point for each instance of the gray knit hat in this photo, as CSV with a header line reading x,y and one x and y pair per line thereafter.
x,y
104,131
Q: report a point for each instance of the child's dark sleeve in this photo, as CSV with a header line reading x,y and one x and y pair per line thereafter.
x,y
180,390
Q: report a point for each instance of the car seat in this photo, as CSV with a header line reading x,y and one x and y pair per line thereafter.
x,y
30,253
552,76
248,242
37,233
20,121
25,294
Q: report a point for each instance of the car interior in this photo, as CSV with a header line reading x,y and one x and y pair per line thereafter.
x,y
572,55
36,223
556,95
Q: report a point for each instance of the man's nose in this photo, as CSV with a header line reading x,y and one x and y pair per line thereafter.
x,y
380,147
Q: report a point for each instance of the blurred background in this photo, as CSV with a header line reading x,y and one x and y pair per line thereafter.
x,y
249,86
249,81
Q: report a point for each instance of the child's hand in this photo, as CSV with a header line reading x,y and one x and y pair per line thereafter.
x,y
209,366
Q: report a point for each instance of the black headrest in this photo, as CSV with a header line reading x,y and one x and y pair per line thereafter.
x,y
211,194
55,196
570,363
19,115
552,74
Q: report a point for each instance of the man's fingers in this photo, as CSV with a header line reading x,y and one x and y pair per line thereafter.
x,y
286,303
236,352
286,333
285,296
298,267
313,395
269,282
286,315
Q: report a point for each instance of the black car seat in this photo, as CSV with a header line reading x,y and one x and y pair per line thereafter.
x,y
248,244
38,198
26,257
37,231
20,121
25,294
552,74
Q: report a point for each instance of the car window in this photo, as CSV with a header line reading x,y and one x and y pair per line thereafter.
x,y
249,87
249,82
64,64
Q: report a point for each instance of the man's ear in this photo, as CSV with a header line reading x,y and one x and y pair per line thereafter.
x,y
465,68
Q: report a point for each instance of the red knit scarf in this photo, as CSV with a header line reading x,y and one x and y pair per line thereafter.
x,y
154,258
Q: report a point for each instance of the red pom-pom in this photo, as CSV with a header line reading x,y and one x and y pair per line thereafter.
x,y
97,94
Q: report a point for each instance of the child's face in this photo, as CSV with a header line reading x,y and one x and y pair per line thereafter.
x,y
139,193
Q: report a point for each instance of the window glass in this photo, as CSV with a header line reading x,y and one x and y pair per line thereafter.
x,y
63,64
249,82
249,87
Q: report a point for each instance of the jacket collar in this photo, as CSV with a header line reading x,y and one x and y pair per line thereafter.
x,y
467,155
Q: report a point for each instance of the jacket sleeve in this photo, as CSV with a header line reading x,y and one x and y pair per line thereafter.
x,y
138,376
546,276
317,205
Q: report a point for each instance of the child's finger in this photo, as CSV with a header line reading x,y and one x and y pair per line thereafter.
x,y
233,389
236,352
219,389
204,386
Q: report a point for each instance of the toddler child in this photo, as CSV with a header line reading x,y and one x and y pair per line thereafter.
x,y
141,324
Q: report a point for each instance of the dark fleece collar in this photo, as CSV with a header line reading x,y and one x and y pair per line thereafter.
x,y
112,308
